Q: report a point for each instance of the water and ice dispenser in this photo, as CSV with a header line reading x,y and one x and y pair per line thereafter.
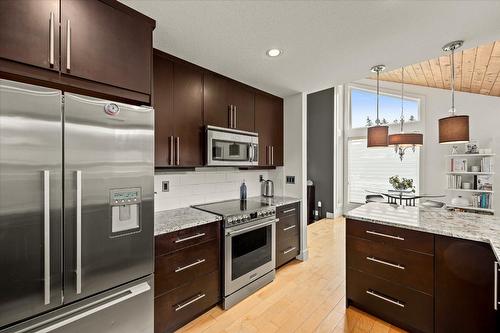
x,y
125,210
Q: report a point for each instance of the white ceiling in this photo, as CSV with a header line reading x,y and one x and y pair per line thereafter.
x,y
324,43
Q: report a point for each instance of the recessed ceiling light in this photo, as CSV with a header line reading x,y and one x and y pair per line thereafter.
x,y
274,52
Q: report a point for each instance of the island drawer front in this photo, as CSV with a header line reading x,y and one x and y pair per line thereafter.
x,y
181,267
408,268
181,305
393,303
288,210
397,237
287,248
177,240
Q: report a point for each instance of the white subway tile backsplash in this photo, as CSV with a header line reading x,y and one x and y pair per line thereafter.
x,y
210,184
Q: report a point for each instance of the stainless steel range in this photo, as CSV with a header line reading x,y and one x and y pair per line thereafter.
x,y
249,246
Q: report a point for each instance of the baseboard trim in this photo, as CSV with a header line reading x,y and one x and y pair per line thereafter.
x,y
303,256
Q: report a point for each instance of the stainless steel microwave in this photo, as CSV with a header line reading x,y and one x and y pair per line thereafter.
x,y
229,147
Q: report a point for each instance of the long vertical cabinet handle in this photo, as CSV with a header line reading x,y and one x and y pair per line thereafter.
x,y
495,283
272,155
177,150
46,236
78,231
235,113
68,45
51,39
171,150
230,110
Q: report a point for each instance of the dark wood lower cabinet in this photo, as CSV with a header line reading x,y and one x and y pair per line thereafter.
x,y
405,307
287,233
465,286
180,306
419,281
187,275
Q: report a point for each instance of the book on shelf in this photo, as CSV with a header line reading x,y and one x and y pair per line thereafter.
x,y
487,164
482,200
454,181
484,182
458,164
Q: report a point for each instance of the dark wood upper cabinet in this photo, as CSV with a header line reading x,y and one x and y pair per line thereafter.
x,y
163,82
108,53
105,43
188,115
178,103
465,286
269,125
228,103
29,32
216,103
242,99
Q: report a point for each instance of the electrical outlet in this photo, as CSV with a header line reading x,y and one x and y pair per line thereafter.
x,y
165,186
290,179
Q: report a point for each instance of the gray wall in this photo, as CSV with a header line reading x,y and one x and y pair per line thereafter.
x,y
320,108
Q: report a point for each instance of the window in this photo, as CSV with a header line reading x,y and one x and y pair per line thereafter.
x,y
364,105
369,169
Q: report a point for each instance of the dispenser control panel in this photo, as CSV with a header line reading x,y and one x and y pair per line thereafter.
x,y
125,210
125,196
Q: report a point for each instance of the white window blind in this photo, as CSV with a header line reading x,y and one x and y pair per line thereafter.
x,y
370,169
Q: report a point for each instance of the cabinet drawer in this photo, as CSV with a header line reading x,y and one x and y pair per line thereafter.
x,y
287,248
397,237
412,269
177,240
287,226
396,304
174,309
288,210
184,266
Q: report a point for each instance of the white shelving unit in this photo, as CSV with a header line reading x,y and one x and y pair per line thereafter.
x,y
469,190
468,176
472,155
469,173
472,208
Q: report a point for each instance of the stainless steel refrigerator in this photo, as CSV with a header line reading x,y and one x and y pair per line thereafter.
x,y
76,212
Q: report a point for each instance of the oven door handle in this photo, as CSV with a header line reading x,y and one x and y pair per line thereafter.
x,y
257,226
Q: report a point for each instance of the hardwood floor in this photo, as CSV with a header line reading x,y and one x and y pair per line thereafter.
x,y
305,296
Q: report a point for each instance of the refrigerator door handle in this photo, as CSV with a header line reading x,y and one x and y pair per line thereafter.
x,y
68,45
78,231
89,309
46,235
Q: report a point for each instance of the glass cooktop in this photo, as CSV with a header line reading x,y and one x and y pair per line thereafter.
x,y
233,207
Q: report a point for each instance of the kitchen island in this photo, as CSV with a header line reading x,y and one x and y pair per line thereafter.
x,y
425,270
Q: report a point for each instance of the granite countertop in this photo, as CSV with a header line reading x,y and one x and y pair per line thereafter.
x,y
182,218
276,200
483,228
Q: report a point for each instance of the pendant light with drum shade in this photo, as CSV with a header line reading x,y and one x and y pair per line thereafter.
x,y
377,135
453,129
402,141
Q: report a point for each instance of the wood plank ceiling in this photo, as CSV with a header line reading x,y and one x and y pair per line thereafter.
x,y
476,71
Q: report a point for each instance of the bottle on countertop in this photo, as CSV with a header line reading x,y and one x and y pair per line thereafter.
x,y
243,191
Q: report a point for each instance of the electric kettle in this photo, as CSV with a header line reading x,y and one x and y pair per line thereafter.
x,y
268,188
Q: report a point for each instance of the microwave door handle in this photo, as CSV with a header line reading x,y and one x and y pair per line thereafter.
x,y
250,152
